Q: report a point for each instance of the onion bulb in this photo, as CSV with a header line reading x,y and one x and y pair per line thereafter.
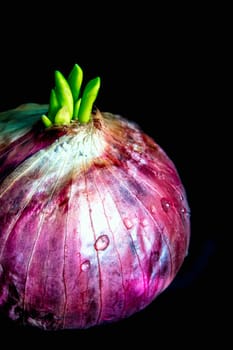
x,y
94,218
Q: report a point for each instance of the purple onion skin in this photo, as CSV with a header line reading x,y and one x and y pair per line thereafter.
x,y
94,220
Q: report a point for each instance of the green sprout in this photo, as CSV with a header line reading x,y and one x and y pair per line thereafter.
x,y
65,102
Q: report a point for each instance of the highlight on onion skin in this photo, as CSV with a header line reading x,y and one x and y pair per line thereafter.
x,y
94,218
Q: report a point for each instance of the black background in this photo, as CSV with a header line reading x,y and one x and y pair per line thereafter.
x,y
161,74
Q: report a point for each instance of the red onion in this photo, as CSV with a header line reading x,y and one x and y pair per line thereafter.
x,y
94,219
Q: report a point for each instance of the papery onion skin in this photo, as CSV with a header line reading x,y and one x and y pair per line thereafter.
x,y
94,220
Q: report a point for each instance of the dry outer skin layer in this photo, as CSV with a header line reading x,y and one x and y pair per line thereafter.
x,y
94,220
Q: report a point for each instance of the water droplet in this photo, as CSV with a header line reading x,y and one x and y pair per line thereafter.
x,y
102,242
128,223
145,222
85,266
165,204
153,208
179,196
183,210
